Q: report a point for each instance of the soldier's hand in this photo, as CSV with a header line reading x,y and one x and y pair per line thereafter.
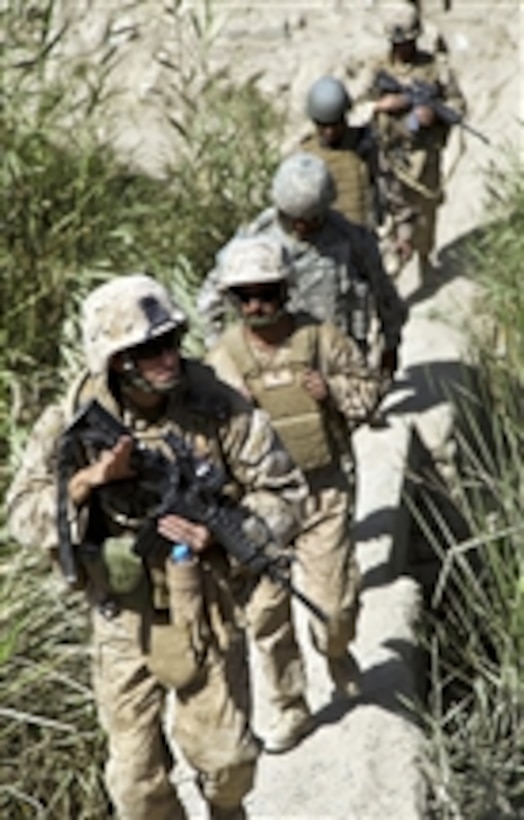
x,y
315,385
392,103
389,362
425,115
404,249
180,530
111,465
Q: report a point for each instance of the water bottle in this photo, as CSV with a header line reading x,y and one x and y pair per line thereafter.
x,y
181,554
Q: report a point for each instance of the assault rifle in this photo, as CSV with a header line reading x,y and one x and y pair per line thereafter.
x,y
187,485
418,93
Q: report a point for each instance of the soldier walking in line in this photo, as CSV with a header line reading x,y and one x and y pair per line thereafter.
x,y
311,379
412,136
172,625
350,152
338,273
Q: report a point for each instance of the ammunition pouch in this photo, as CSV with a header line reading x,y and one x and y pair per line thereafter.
x,y
178,636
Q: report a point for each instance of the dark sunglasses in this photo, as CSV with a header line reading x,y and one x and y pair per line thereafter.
x,y
270,292
155,347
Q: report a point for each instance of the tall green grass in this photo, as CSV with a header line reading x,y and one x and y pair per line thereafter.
x,y
475,626
74,212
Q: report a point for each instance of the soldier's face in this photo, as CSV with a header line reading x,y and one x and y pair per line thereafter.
x,y
158,360
300,227
405,50
330,134
258,305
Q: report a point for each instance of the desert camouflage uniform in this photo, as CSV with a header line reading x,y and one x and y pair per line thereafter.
x,y
177,628
411,163
338,271
324,550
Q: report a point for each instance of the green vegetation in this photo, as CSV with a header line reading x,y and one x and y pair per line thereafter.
x,y
74,211
475,625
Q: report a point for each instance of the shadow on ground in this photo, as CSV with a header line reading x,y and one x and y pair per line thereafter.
x,y
454,259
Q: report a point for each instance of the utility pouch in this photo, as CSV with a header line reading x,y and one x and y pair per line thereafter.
x,y
179,636
125,569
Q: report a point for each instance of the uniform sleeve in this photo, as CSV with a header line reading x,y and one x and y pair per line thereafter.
x,y
211,306
354,388
391,309
32,497
274,489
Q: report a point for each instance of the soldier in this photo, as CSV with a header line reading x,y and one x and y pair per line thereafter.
x,y
411,135
337,265
311,380
171,626
350,152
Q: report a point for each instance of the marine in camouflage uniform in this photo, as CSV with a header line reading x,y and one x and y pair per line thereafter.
x,y
412,139
350,152
171,626
311,380
338,272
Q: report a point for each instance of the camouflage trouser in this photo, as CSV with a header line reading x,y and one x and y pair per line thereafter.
x,y
329,575
211,724
413,207
328,569
270,626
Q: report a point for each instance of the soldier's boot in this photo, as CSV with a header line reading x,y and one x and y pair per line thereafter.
x,y
288,728
220,813
346,675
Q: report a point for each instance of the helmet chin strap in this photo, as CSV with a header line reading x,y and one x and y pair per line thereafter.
x,y
131,379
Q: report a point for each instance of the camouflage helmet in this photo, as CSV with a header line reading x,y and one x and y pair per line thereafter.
x,y
253,260
124,312
327,101
402,22
303,187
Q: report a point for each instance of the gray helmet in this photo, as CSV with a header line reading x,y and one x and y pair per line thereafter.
x,y
303,187
253,260
327,101
402,22
124,312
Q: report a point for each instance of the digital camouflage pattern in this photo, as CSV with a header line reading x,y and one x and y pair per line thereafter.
x,y
302,187
324,550
410,162
247,259
260,470
326,267
125,312
201,644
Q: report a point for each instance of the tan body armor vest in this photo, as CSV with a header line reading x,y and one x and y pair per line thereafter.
x,y
351,175
275,384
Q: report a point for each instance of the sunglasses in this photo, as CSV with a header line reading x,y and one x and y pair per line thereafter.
x,y
270,292
155,347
